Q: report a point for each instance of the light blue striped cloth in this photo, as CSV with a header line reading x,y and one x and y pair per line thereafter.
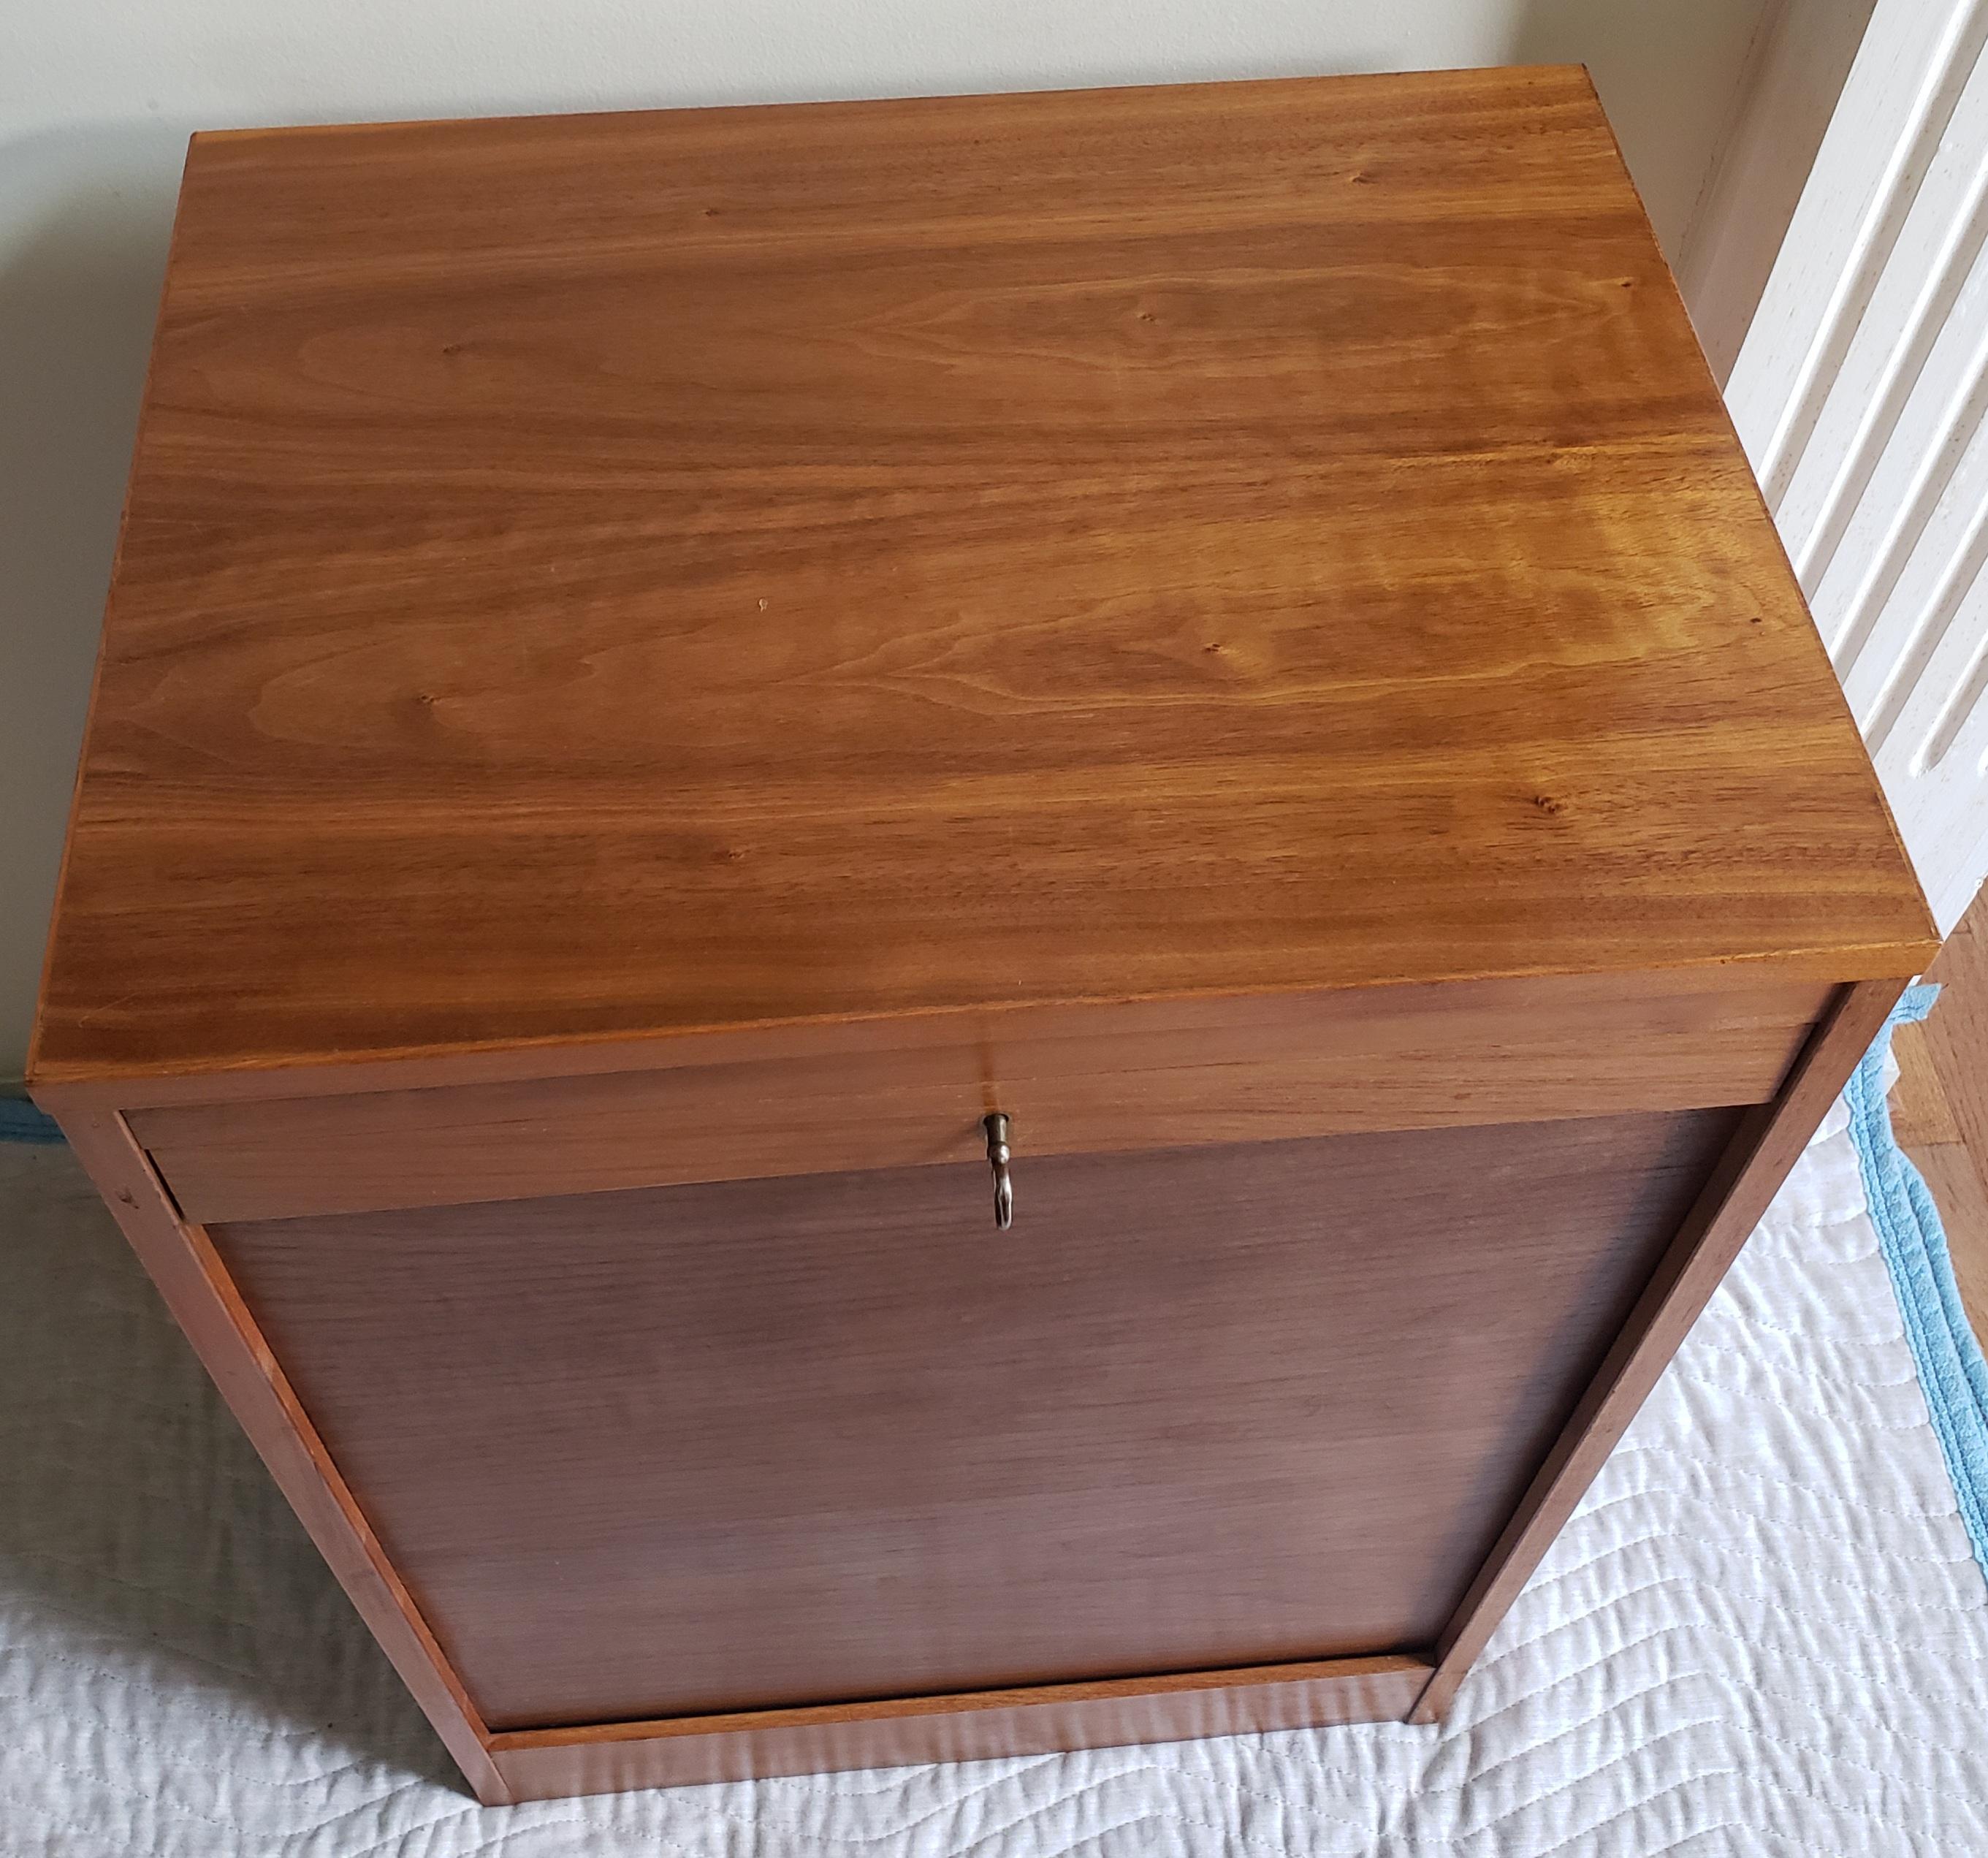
x,y
1943,1342
21,1121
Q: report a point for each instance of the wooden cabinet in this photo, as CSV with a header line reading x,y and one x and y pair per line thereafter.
x,y
664,668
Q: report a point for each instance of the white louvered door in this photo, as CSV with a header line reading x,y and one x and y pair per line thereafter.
x,y
1861,395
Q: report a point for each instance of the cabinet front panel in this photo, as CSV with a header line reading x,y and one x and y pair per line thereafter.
x,y
706,1448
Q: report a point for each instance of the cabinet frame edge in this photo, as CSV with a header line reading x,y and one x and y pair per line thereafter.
x,y
976,1725
181,1261
1763,1152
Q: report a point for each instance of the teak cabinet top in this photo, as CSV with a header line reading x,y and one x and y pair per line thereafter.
x,y
603,577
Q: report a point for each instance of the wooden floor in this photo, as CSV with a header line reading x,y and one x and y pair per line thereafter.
x,y
1940,1110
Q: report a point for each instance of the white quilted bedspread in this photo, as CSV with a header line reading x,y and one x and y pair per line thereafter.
x,y
1763,1631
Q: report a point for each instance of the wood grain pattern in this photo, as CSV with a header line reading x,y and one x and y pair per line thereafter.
x,y
613,1757
1956,1180
774,1443
721,568
1767,1144
1922,1118
1366,1060
180,1261
1359,1013
1939,1106
1956,1032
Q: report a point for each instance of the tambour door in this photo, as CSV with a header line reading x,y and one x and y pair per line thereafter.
x,y
710,1447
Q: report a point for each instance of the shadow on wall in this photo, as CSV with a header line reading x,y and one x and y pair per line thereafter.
x,y
1651,62
84,221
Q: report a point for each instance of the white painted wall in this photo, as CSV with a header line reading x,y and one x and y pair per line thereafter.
x,y
97,96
